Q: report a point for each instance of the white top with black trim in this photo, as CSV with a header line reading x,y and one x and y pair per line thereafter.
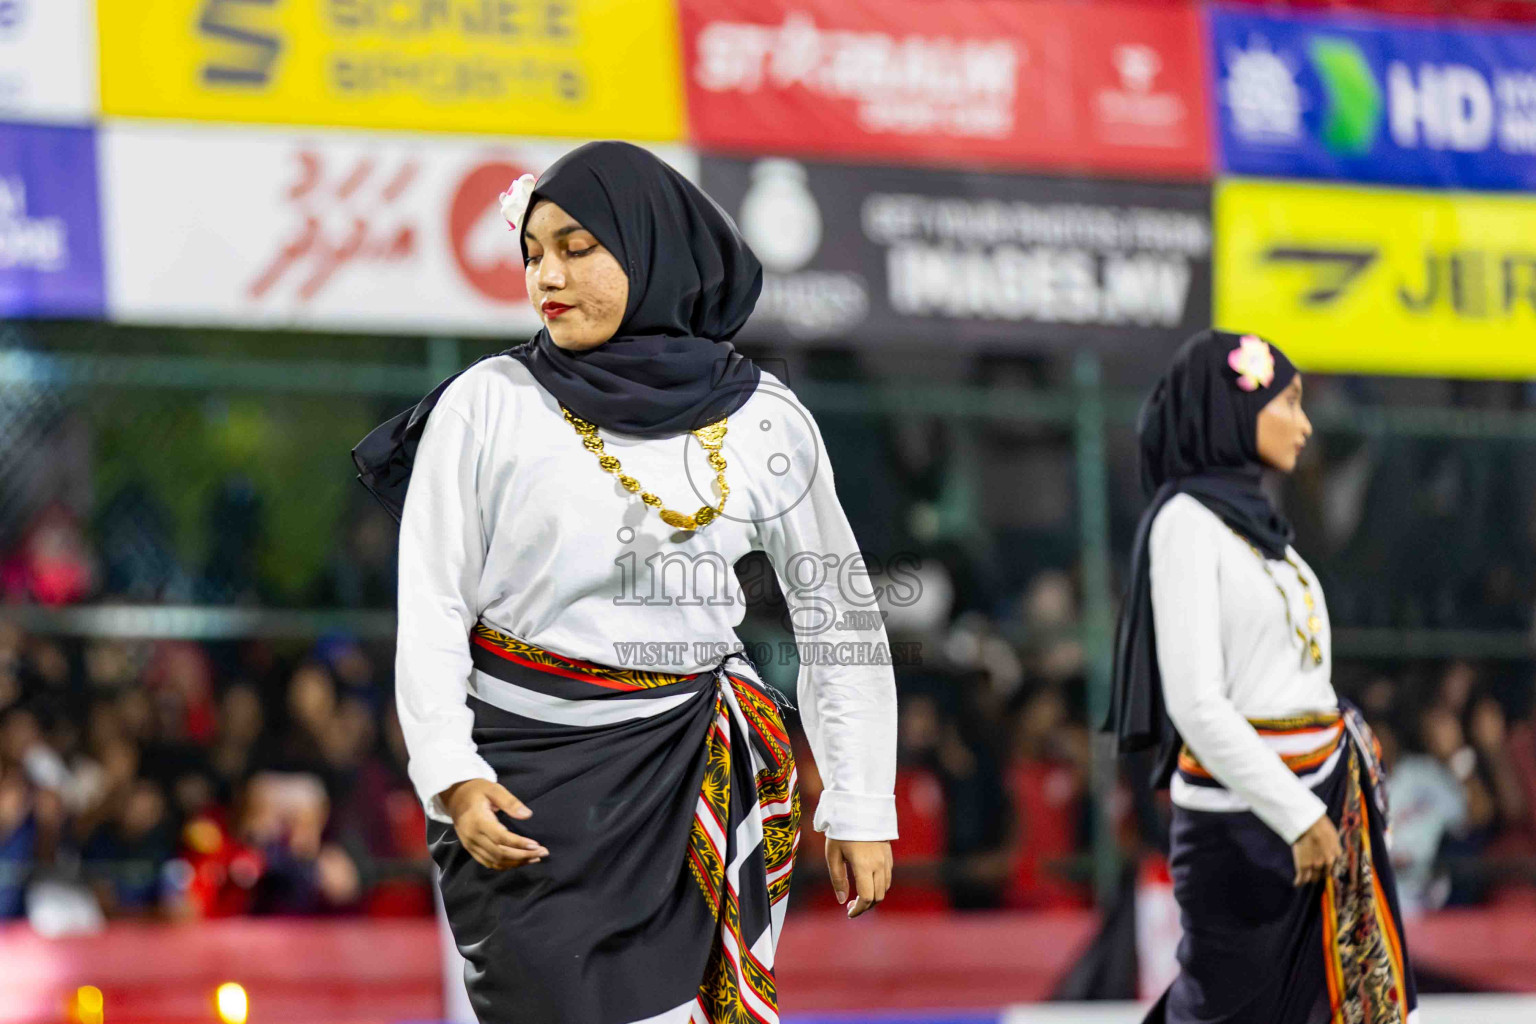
x,y
1227,654
510,520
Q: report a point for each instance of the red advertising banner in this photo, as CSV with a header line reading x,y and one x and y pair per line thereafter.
x,y
1105,87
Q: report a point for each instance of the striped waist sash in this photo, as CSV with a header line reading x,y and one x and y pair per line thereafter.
x,y
1309,744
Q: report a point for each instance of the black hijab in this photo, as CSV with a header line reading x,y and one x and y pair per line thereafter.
x,y
670,367
1199,436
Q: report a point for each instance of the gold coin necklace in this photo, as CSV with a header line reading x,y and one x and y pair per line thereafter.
x,y
1314,622
711,436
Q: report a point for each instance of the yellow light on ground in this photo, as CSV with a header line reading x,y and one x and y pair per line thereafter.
x,y
89,1005
232,1003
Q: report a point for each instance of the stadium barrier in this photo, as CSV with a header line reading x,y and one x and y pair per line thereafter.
x,y
955,969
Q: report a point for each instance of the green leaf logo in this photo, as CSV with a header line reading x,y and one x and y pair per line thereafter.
x,y
1354,97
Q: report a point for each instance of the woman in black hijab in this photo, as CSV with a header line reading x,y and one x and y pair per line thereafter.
x,y
560,642
1222,664
661,362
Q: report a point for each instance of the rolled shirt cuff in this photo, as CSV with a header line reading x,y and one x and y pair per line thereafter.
x,y
857,817
434,773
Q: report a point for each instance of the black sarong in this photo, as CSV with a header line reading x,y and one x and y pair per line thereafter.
x,y
669,808
1258,950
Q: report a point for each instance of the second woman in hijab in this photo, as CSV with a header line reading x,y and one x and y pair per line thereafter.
x,y
1223,664
612,800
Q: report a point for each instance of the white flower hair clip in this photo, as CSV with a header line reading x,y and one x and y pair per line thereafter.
x,y
514,201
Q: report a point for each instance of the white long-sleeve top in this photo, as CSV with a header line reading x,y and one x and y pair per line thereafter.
x,y
510,520
1227,654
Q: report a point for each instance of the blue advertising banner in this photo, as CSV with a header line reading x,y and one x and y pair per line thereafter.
x,y
1375,99
50,222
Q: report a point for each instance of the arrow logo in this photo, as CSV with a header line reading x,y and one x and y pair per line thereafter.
x,y
1334,269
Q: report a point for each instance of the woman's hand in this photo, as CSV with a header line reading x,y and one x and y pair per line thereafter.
x,y
869,864
1316,851
473,805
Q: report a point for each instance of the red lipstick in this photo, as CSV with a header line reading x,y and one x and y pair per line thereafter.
x,y
553,309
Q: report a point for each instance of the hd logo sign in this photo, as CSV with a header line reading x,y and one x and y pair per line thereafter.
x,y
585,68
1386,101
1353,280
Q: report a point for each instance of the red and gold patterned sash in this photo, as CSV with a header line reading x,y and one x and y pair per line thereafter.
x,y
1362,943
732,966
522,652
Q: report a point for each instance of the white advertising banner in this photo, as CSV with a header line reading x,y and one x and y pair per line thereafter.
x,y
48,60
320,229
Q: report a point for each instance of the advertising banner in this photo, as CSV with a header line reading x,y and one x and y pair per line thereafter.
x,y
1101,87
1356,280
544,67
324,229
1375,100
50,230
47,60
888,255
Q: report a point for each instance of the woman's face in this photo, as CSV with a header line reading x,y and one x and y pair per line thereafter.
x,y
577,287
1283,428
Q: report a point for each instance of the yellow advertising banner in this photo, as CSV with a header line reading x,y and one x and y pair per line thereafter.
x,y
1366,280
592,68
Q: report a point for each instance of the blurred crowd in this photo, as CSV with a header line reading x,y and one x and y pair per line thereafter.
x,y
994,778
180,778
1461,781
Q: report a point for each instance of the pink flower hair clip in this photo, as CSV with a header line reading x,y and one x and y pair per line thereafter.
x,y
514,201
1253,362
